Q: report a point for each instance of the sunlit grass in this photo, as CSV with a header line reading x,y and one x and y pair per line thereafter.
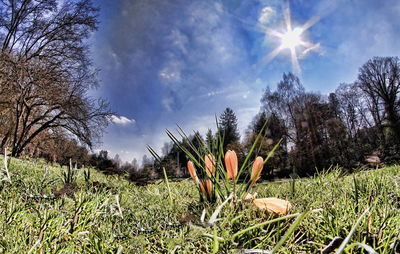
x,y
107,214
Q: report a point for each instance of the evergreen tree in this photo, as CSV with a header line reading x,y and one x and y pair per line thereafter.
x,y
228,127
209,139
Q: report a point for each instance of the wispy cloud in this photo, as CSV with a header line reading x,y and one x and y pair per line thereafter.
x,y
168,103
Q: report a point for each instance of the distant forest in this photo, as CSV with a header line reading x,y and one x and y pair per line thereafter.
x,y
45,109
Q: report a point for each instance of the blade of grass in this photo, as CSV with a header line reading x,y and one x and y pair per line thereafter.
x,y
272,151
290,231
248,185
153,153
215,246
251,151
6,165
241,232
183,148
271,221
213,217
183,135
203,215
257,251
214,236
366,247
171,202
353,229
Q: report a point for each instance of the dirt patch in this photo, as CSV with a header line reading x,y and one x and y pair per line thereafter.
x,y
68,189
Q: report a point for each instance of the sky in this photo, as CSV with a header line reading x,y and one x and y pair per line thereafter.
x,y
164,63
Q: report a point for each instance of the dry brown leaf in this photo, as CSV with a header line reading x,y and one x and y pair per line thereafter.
x,y
273,205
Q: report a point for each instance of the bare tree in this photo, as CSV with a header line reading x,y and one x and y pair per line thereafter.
x,y
379,78
47,72
282,102
354,109
274,132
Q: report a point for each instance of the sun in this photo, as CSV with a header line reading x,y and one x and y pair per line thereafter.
x,y
291,38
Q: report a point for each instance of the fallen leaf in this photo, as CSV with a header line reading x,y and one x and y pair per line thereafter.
x,y
273,205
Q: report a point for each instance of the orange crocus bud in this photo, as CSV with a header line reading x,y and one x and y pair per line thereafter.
x,y
256,169
210,164
192,171
231,164
206,187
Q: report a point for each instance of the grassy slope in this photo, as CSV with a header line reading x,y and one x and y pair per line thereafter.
x,y
140,220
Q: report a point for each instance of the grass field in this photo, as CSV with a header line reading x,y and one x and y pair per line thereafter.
x,y
39,213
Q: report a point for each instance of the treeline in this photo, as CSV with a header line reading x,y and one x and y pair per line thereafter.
x,y
356,125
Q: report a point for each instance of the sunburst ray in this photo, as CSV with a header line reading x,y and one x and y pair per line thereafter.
x,y
292,38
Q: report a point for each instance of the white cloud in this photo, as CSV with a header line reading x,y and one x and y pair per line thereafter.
x,y
316,48
266,15
122,120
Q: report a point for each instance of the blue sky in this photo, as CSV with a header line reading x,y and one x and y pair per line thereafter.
x,y
168,62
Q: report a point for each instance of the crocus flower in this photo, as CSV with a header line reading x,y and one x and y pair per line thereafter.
x,y
192,171
231,164
206,187
256,169
210,164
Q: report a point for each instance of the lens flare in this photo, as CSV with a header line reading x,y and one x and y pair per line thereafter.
x,y
291,38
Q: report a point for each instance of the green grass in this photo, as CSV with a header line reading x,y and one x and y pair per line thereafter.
x,y
112,215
